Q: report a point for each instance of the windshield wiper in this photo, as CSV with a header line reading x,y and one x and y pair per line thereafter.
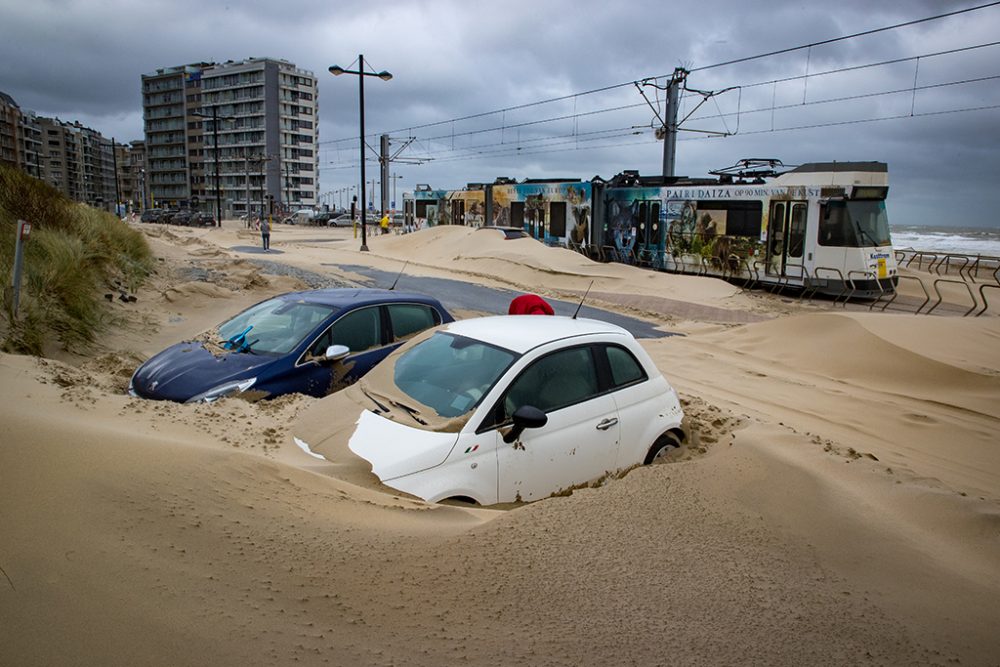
x,y
864,233
373,400
239,341
415,414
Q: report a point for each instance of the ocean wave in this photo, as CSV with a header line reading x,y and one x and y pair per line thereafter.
x,y
960,241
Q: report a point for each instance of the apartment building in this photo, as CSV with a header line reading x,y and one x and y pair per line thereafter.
x,y
267,132
132,174
75,159
78,161
169,96
10,117
30,143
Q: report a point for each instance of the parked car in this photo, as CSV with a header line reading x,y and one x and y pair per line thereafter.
x,y
167,215
311,342
150,215
320,219
202,219
509,233
511,408
340,220
182,217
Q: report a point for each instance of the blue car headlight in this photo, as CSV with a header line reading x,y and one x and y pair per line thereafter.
x,y
223,390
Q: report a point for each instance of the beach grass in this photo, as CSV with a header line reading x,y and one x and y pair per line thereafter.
x,y
75,254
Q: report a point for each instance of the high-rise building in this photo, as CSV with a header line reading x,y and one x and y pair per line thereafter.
x,y
267,132
169,95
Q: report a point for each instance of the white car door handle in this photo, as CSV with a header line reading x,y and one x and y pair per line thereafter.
x,y
605,424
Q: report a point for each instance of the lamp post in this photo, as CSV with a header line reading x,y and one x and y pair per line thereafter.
x,y
394,177
215,143
337,70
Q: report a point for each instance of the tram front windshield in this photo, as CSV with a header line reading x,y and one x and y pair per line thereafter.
x,y
854,224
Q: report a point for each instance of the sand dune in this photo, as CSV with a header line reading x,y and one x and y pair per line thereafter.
x,y
839,503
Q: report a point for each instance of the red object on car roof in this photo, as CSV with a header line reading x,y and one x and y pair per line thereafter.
x,y
530,304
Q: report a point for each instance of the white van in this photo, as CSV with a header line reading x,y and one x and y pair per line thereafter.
x,y
301,217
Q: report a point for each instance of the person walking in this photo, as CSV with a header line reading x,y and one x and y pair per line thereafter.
x,y
265,233
384,223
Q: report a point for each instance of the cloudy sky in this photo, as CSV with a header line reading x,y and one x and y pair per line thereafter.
x,y
933,113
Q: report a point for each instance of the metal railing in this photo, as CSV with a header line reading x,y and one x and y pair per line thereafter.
x,y
895,293
982,295
941,298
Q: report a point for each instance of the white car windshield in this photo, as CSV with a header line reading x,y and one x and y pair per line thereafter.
x,y
451,373
276,326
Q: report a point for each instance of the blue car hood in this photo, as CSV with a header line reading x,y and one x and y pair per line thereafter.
x,y
188,369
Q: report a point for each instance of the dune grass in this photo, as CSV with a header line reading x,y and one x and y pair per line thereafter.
x,y
75,254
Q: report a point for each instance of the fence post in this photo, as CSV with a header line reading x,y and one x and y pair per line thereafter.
x,y
23,231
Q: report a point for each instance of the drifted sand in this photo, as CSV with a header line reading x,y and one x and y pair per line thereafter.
x,y
839,503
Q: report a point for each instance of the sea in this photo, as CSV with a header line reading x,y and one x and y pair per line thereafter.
x,y
972,241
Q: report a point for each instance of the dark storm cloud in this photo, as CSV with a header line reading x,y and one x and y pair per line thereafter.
x,y
83,60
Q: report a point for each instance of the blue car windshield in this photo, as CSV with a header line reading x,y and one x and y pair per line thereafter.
x,y
273,327
451,373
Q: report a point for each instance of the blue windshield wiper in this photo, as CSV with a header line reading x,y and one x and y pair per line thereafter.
x,y
239,341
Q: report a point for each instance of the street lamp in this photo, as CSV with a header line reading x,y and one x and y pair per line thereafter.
x,y
215,142
394,177
337,70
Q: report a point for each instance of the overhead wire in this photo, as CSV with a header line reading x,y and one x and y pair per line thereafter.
x,y
696,69
538,145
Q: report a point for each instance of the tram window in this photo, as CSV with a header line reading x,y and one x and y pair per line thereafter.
x,y
743,218
797,230
557,218
517,214
834,225
854,224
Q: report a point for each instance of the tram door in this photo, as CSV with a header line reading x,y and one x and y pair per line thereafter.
x,y
458,212
408,216
650,237
786,235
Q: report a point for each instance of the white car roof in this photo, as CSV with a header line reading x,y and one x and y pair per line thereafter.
x,y
521,333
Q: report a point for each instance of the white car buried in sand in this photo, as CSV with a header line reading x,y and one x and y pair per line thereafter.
x,y
510,408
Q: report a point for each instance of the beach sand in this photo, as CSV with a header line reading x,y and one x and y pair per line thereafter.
x,y
839,501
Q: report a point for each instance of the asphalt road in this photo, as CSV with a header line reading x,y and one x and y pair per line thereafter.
x,y
457,294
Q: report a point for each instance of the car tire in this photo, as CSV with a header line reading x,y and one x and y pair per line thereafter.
x,y
665,444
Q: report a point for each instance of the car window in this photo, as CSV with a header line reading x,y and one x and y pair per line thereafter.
x,y
276,326
450,373
555,381
624,367
411,318
359,330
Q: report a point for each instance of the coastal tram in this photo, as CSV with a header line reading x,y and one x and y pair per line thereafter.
x,y
820,227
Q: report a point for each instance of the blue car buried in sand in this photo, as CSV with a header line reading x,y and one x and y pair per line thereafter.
x,y
311,342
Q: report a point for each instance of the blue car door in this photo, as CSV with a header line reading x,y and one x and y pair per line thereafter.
x,y
363,332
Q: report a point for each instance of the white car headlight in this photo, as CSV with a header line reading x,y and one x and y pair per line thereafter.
x,y
223,390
